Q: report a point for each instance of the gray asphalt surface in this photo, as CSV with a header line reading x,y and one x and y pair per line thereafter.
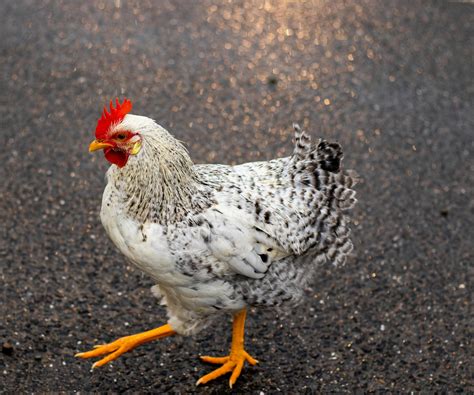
x,y
391,81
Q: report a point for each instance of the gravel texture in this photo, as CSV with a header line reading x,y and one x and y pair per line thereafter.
x,y
391,81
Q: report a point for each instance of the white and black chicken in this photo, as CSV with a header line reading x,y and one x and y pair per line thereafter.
x,y
217,239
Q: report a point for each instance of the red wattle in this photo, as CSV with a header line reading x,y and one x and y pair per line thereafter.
x,y
116,157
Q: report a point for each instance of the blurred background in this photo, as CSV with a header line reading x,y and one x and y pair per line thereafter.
x,y
391,81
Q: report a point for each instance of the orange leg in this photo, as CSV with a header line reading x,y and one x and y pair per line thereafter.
x,y
235,360
124,344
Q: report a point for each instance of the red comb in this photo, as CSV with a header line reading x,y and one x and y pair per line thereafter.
x,y
115,116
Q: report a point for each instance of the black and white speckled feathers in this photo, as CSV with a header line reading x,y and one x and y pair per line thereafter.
x,y
318,198
216,238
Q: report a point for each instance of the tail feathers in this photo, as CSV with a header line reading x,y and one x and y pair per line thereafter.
x,y
319,165
348,178
344,193
327,156
345,197
330,156
302,143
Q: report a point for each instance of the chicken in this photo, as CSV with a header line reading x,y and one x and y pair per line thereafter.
x,y
217,239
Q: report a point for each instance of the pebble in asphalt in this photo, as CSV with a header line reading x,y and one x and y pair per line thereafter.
x,y
391,81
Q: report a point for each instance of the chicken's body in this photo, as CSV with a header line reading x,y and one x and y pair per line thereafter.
x,y
217,238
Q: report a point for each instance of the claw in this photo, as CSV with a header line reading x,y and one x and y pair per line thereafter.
x,y
236,372
216,360
234,362
124,344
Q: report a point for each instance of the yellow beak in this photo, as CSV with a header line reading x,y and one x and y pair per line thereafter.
x,y
97,145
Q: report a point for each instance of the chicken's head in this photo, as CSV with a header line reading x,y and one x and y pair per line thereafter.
x,y
116,140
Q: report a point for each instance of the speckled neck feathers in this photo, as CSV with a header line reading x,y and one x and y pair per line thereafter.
x,y
159,184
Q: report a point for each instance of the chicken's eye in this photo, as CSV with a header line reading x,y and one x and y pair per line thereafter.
x,y
120,136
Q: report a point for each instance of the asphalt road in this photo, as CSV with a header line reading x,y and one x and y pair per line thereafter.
x,y
391,81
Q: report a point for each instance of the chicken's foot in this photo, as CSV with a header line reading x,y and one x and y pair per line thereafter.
x,y
235,360
124,344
